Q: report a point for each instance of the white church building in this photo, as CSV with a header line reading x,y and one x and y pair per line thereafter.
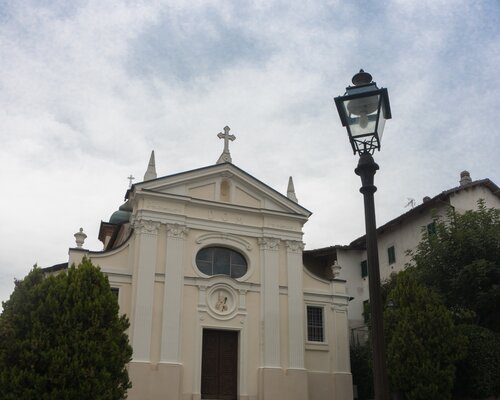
x,y
208,266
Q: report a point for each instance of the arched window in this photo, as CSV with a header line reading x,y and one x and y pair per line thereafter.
x,y
221,261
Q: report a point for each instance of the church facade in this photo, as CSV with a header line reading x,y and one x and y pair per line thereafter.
x,y
208,266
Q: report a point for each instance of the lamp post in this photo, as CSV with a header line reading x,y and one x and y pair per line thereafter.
x,y
363,110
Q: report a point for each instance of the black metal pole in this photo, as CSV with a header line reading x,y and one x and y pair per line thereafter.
x,y
366,170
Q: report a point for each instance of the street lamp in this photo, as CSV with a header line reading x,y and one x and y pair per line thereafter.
x,y
363,110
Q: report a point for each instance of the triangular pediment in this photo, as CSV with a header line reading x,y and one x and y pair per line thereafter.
x,y
222,183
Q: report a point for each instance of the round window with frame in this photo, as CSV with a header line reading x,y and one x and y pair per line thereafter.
x,y
221,261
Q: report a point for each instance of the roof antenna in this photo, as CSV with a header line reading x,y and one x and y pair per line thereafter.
x,y
411,202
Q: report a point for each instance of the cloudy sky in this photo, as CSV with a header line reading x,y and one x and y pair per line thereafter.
x,y
89,88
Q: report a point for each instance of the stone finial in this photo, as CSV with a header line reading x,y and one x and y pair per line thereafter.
x,y
336,269
290,191
80,238
465,178
225,156
151,171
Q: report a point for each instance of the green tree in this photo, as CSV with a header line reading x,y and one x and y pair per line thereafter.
x,y
421,340
61,337
478,374
461,260
361,369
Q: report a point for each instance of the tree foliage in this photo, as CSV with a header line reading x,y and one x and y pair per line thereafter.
x,y
61,337
361,369
454,278
422,343
478,374
461,260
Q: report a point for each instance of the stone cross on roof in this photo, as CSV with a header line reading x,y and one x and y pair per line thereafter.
x,y
130,178
225,156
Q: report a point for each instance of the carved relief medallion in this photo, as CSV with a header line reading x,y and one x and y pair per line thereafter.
x,y
221,301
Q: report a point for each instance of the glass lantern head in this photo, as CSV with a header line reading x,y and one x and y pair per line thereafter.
x,y
363,110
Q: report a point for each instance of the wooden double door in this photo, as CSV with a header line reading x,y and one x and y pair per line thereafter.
x,y
219,365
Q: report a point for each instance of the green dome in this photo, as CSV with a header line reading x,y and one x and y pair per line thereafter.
x,y
122,215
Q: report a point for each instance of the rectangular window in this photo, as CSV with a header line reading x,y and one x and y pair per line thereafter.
x,y
431,229
315,324
391,255
364,268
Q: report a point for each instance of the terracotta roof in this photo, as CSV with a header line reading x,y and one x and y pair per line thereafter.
x,y
328,254
55,268
319,261
443,197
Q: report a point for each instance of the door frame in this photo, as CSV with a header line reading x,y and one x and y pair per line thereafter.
x,y
241,362
235,338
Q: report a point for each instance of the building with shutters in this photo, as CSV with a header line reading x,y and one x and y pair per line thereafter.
x,y
395,238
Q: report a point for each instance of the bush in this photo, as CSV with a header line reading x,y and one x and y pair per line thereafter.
x,y
362,375
61,338
478,374
422,342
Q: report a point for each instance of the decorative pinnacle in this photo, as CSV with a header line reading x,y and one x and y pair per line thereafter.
x,y
80,238
225,156
151,171
335,269
290,192
361,78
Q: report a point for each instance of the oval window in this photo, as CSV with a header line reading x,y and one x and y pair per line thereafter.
x,y
221,261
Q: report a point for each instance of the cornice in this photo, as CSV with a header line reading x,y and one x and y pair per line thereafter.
x,y
212,203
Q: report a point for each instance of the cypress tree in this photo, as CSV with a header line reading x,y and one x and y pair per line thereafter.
x,y
422,342
61,337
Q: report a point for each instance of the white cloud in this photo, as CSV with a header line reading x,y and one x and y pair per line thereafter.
x,y
87,89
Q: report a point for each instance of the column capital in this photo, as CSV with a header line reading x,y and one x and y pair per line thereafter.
x,y
146,226
339,307
294,246
269,243
177,231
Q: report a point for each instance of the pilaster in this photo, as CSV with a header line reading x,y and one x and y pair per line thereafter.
x,y
341,361
270,309
295,305
172,297
147,238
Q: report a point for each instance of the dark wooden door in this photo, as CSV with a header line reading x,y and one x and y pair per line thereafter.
x,y
219,365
